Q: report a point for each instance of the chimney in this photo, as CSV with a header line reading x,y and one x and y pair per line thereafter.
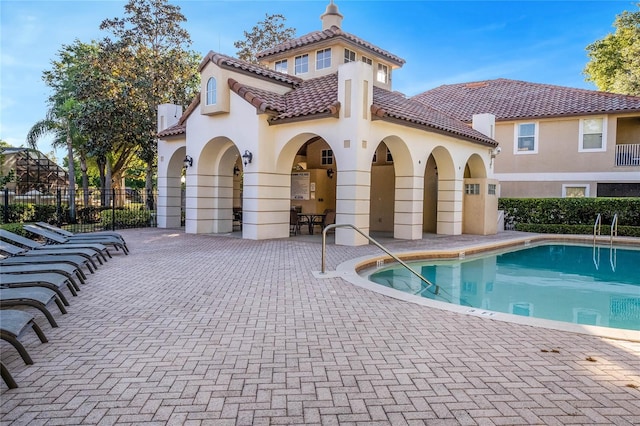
x,y
485,124
331,17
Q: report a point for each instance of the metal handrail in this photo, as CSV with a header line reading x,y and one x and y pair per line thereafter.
x,y
597,226
614,227
371,240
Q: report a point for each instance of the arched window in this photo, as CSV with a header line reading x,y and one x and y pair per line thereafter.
x,y
211,91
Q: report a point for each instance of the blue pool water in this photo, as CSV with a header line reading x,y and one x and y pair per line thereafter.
x,y
570,283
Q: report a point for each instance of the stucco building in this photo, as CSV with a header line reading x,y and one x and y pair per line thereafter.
x,y
556,141
317,127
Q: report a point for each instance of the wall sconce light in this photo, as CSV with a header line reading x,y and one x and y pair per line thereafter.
x,y
188,162
247,156
236,170
330,173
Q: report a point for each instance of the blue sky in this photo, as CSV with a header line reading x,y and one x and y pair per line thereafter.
x,y
443,42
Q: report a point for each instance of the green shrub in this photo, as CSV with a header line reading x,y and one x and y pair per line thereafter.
x,y
125,218
570,211
623,231
16,228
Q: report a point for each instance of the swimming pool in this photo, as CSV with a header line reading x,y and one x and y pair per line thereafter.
x,y
561,282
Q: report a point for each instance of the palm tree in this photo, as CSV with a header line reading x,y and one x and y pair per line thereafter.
x,y
57,123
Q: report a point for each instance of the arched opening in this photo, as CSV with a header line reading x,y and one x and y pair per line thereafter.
x,y
439,202
383,190
312,176
430,197
211,186
479,202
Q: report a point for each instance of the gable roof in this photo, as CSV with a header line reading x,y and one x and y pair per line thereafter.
x,y
513,99
238,65
318,98
328,34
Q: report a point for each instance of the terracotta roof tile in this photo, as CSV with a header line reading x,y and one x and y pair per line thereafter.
x,y
175,130
330,33
394,106
228,62
513,99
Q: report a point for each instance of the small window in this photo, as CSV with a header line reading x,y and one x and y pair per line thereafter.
x,y
592,134
472,189
366,60
383,73
389,156
326,156
492,189
526,135
211,91
349,56
323,59
575,191
302,64
281,66
375,157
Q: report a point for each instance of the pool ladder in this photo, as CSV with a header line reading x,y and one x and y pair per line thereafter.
x,y
612,251
374,242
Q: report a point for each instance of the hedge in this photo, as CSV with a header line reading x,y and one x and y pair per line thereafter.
x,y
126,218
570,211
28,212
623,231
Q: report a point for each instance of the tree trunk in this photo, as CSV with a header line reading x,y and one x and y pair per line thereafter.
x,y
85,178
148,185
107,183
72,179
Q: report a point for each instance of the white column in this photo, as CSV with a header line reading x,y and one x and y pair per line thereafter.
x,y
408,208
450,206
352,206
265,206
169,202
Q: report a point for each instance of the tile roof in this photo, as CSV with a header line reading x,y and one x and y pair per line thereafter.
x,y
513,99
330,33
318,98
235,64
393,106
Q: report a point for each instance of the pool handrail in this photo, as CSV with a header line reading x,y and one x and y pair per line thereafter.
x,y
371,240
614,228
596,227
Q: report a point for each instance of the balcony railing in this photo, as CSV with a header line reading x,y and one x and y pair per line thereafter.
x,y
628,154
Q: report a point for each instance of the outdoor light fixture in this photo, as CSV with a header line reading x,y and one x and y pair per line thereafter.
x,y
330,173
236,170
247,156
188,162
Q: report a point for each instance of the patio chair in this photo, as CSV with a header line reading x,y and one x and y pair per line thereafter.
x,y
6,376
35,245
35,297
88,254
294,222
18,257
115,242
12,324
69,234
69,271
51,280
328,218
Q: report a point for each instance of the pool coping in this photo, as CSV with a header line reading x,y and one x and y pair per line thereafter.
x,y
348,271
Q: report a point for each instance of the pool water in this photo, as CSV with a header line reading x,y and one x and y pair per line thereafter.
x,y
577,284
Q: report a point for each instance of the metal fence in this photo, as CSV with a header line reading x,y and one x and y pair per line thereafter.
x,y
95,210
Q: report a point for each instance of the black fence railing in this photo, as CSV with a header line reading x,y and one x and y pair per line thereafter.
x,y
95,210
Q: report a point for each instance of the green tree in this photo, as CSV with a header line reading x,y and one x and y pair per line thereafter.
x,y
263,35
156,69
59,123
614,61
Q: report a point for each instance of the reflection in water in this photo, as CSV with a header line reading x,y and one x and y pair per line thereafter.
x,y
558,282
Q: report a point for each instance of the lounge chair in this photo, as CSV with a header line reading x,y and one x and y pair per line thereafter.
x,y
12,324
107,240
35,245
69,271
87,254
47,259
51,280
36,297
66,233
6,376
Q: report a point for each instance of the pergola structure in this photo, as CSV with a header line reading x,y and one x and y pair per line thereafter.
x,y
33,171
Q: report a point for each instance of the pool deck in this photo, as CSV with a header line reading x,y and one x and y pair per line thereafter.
x,y
212,329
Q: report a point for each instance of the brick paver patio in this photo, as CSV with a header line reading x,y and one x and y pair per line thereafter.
x,y
202,329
